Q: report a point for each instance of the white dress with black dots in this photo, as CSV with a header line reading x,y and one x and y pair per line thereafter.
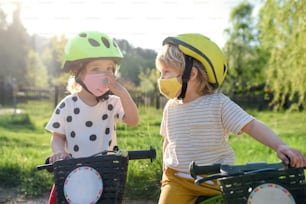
x,y
88,129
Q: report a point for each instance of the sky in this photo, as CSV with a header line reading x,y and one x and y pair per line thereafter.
x,y
143,23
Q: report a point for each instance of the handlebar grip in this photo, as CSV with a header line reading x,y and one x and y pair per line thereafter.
x,y
142,154
198,170
47,166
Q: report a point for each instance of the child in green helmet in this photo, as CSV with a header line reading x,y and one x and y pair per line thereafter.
x,y
197,119
84,122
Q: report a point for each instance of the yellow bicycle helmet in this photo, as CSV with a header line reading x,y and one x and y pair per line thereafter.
x,y
205,51
88,46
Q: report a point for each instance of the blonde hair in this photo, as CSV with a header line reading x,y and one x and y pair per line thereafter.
x,y
73,86
171,55
75,68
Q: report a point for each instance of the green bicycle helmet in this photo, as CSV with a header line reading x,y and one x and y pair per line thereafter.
x,y
205,51
89,46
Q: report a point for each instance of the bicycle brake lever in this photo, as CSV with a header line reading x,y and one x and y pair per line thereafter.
x,y
211,177
48,167
250,167
260,170
122,153
233,173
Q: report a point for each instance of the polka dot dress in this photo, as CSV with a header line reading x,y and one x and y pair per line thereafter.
x,y
88,129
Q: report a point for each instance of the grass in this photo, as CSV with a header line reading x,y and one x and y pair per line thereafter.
x,y
290,126
24,144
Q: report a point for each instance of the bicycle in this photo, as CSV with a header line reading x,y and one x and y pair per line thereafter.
x,y
253,183
99,178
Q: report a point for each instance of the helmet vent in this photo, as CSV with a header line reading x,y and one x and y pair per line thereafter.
x,y
224,68
115,44
105,42
83,35
93,42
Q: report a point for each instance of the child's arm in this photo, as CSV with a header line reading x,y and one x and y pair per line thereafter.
x,y
165,143
58,142
265,135
131,116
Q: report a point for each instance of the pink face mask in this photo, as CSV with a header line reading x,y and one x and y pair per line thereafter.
x,y
96,83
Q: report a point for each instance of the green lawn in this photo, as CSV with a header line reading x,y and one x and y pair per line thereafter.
x,y
289,126
24,144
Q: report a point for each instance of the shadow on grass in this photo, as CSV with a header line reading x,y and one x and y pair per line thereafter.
x,y
16,121
27,182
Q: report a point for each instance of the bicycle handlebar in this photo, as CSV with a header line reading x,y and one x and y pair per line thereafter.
x,y
142,154
225,170
132,155
209,169
233,169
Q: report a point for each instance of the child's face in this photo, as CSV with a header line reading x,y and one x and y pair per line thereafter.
x,y
100,66
96,76
168,71
170,81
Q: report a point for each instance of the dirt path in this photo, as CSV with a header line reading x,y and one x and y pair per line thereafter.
x,y
10,196
20,200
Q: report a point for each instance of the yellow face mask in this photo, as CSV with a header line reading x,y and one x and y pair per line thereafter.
x,y
169,87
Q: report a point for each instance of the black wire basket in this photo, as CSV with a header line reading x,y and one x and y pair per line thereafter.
x,y
237,189
112,168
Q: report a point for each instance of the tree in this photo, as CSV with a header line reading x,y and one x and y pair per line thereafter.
x,y
17,48
283,35
3,45
3,23
37,76
52,55
244,57
148,80
136,61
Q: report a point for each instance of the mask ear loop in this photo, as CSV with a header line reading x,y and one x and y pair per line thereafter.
x,y
186,75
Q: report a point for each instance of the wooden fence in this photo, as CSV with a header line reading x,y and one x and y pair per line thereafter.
x,y
152,98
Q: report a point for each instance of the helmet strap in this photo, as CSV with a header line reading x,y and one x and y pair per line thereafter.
x,y
78,80
186,75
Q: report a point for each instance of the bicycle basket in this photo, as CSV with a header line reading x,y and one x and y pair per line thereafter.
x,y
111,168
237,189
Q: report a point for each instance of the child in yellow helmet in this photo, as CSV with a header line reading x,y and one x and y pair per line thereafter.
x,y
84,122
197,119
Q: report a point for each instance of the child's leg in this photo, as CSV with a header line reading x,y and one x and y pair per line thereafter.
x,y
176,189
52,198
174,193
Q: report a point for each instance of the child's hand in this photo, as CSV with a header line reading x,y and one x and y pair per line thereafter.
x,y
58,156
131,116
291,156
113,85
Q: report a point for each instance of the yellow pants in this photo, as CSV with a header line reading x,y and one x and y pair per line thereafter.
x,y
179,190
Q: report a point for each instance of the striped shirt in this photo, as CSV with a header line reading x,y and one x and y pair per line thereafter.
x,y
199,130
